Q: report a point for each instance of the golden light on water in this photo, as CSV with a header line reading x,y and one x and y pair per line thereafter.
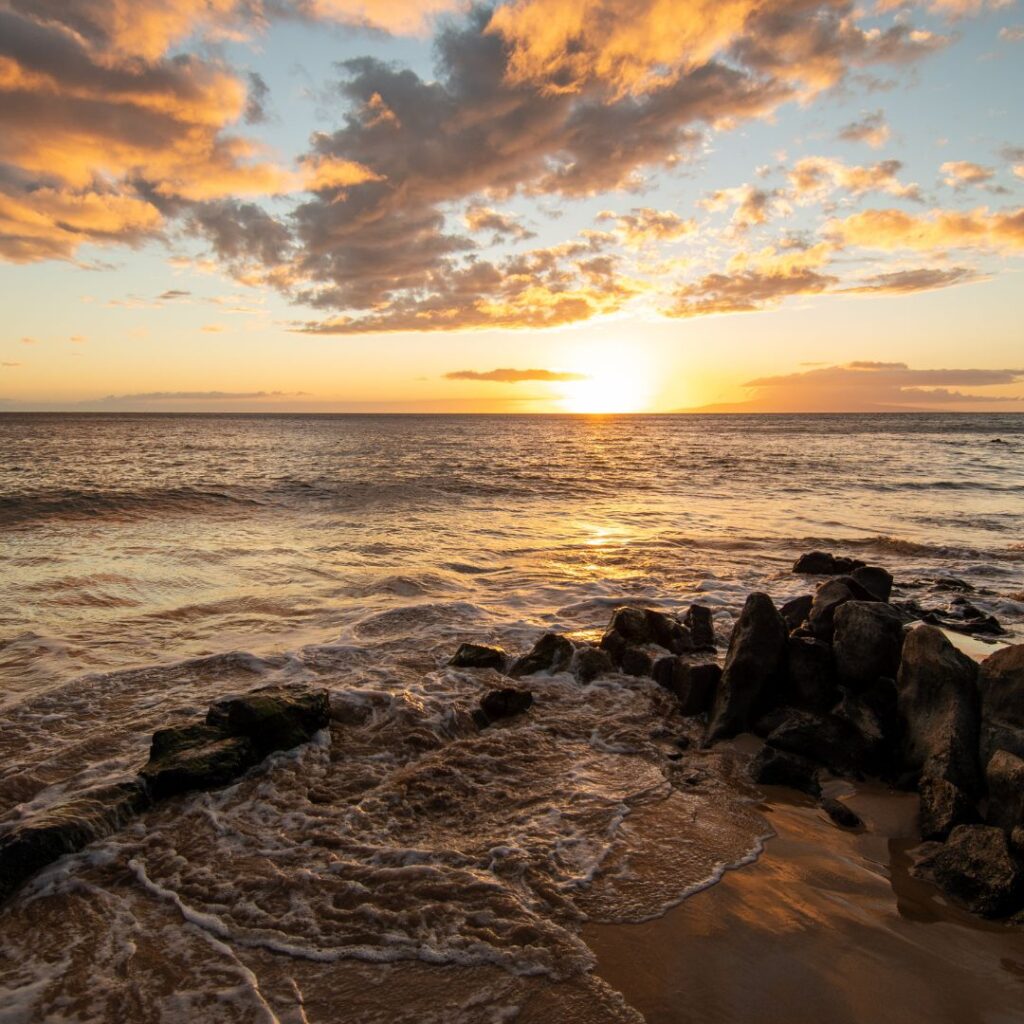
x,y
617,380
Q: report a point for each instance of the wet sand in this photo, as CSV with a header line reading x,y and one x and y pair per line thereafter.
x,y
827,927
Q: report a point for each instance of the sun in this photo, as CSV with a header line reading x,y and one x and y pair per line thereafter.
x,y
616,380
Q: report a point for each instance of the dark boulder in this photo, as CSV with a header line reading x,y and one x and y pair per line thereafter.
x,y
878,757
875,579
37,841
829,597
1001,682
976,868
272,718
825,739
591,662
810,674
754,669
551,653
700,621
943,807
867,639
773,767
498,704
636,662
937,696
1005,778
821,563
840,813
477,656
640,626
693,685
794,613
209,760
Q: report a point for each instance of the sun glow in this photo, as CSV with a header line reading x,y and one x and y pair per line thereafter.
x,y
617,380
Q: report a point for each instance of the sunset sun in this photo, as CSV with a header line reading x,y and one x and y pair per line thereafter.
x,y
615,382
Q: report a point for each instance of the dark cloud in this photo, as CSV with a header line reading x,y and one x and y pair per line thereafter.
x,y
174,293
507,376
256,101
872,129
747,291
921,279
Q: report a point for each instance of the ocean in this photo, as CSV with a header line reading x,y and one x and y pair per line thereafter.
x,y
150,563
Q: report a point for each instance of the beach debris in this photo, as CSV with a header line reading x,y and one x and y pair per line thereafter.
x,y
977,869
479,656
66,828
754,668
822,563
694,685
771,767
551,653
842,815
867,640
1004,777
937,696
943,807
498,704
1001,684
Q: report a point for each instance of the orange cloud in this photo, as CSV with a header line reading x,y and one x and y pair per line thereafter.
x,y
645,226
892,230
961,173
814,177
871,128
508,376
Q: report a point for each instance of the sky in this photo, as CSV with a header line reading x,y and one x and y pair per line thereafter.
x,y
583,206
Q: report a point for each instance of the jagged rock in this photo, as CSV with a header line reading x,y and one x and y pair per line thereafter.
x,y
693,685
773,767
1005,777
640,626
937,697
636,662
867,639
700,621
874,579
943,807
821,563
868,722
830,596
68,827
551,653
794,613
209,760
498,704
840,813
826,739
591,662
810,674
754,668
478,656
977,869
273,718
1001,682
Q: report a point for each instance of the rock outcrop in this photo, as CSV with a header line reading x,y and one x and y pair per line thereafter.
x,y
498,704
1004,776
867,639
1001,682
478,656
551,653
821,563
693,685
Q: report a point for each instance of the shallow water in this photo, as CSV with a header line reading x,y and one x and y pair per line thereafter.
x,y
151,563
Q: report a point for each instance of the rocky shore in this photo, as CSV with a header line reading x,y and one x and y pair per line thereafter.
x,y
840,682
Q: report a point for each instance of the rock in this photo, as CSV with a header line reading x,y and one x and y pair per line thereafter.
x,y
591,662
825,739
693,685
273,717
498,704
640,626
937,697
477,656
943,807
1005,777
795,612
1001,682
637,662
831,595
821,563
210,760
754,668
867,639
877,755
699,620
810,674
551,653
773,767
68,827
976,868
876,580
840,813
